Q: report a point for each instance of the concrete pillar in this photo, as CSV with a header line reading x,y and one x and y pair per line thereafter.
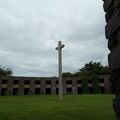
x,y
21,87
10,86
59,48
64,86
53,86
42,86
32,87
74,86
107,83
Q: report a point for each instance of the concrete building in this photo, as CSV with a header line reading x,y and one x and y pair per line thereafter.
x,y
49,85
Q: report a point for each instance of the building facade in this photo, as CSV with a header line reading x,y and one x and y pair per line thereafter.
x,y
50,85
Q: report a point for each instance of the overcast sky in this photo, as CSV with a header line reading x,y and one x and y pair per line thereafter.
x,y
30,31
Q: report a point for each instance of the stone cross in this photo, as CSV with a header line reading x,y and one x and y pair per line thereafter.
x,y
59,48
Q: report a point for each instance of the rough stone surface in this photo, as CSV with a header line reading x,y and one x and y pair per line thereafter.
x,y
112,32
116,82
113,24
114,58
107,4
116,105
112,9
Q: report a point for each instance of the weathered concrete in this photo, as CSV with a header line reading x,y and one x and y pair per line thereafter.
x,y
59,48
18,86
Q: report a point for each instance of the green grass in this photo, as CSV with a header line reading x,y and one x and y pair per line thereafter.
x,y
79,107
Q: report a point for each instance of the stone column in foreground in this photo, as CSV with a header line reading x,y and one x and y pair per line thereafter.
x,y
112,31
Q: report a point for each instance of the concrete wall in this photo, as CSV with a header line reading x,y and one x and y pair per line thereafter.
x,y
49,85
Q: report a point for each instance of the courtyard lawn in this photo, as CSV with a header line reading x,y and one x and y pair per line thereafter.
x,y
79,107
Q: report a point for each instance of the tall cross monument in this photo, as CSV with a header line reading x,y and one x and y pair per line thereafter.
x,y
59,48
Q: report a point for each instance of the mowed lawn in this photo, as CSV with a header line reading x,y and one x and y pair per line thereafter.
x,y
79,107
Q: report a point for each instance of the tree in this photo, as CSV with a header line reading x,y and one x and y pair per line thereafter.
x,y
94,68
5,72
67,74
89,69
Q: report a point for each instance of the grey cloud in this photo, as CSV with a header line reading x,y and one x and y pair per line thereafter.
x,y
30,30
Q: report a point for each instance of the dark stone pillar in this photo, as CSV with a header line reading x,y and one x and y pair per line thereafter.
x,y
32,87
112,29
74,86
64,86
43,86
21,87
53,86
107,84
10,86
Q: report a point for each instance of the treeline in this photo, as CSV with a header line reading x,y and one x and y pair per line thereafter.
x,y
5,72
89,69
